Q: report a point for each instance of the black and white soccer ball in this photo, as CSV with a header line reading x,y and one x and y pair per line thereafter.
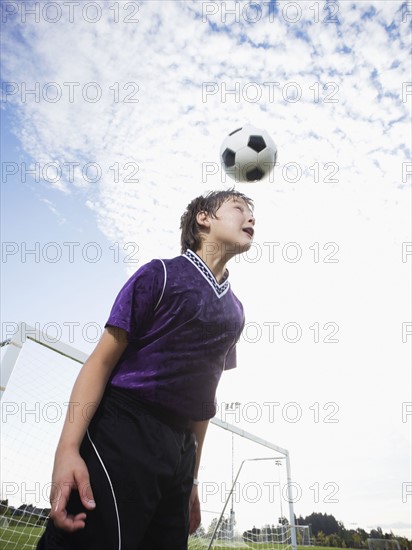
x,y
248,154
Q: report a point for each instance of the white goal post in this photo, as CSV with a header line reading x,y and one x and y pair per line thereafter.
x,y
238,511
284,454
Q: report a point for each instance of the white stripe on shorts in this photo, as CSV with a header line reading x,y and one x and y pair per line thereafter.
x,y
111,487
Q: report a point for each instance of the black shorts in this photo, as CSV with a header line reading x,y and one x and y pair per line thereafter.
x,y
141,464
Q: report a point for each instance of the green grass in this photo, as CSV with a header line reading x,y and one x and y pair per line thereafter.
x,y
25,538
19,538
195,545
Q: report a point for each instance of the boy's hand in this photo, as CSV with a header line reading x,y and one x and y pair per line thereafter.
x,y
70,472
194,510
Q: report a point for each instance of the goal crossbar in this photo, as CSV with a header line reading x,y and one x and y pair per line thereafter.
x,y
14,345
268,445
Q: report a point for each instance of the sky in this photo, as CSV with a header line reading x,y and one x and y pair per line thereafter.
x,y
112,119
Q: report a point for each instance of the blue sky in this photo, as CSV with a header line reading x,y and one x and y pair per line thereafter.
x,y
332,91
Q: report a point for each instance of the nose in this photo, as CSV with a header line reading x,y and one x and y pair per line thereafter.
x,y
252,219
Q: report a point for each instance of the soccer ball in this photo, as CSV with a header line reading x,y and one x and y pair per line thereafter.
x,y
248,154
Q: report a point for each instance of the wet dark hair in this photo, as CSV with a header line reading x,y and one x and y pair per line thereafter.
x,y
209,203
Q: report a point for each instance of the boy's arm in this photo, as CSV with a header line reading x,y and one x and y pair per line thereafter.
x,y
90,385
199,429
69,468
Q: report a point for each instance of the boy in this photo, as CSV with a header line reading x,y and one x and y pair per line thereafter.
x,y
131,444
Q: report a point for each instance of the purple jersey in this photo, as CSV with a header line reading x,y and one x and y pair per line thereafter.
x,y
182,328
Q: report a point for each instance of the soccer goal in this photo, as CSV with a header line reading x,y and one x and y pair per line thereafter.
x,y
383,544
245,489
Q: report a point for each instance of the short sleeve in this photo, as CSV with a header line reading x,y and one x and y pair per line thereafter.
x,y
136,302
230,360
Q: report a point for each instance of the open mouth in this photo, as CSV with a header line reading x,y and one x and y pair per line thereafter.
x,y
249,230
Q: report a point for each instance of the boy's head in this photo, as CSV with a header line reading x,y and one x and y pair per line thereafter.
x,y
210,204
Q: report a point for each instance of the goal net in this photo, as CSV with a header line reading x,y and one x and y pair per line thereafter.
x,y
303,537
245,490
383,544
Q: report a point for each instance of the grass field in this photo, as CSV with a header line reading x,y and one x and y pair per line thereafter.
x,y
25,538
19,538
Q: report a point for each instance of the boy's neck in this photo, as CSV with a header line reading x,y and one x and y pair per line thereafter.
x,y
214,262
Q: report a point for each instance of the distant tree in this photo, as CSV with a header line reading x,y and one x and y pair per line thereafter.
x,y
299,521
224,529
341,528
320,538
404,543
212,527
200,531
357,540
333,540
326,530
362,533
322,522
376,533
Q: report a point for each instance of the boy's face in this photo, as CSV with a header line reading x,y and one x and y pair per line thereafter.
x,y
233,225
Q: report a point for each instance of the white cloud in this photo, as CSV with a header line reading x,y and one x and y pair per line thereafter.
x,y
173,129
